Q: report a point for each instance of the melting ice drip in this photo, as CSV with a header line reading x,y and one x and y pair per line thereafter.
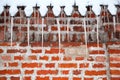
x,y
98,32
114,23
42,31
28,30
59,33
85,33
11,30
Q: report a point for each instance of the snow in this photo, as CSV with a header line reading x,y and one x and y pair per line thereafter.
x,y
57,3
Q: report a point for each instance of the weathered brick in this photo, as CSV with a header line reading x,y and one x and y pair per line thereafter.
x,y
15,78
79,58
114,51
12,51
97,52
93,72
54,28
98,65
68,65
18,57
115,65
5,57
88,79
67,58
76,78
67,44
13,72
36,51
3,78
23,44
84,65
13,64
1,51
115,78
7,43
28,71
60,78
54,51
76,72
65,71
30,65
42,78
100,59
115,72
55,58
115,58
32,57
44,72
44,58
27,78
90,58
50,65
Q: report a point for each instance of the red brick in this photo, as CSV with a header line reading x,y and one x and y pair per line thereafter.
x,y
90,58
115,72
32,57
79,58
55,58
115,78
100,59
88,79
114,51
65,71
7,44
36,44
94,45
60,78
15,78
115,58
24,44
23,28
97,52
54,51
44,58
29,71
15,71
12,51
30,65
68,65
1,51
93,72
54,28
44,72
27,78
3,78
50,65
42,78
76,78
13,64
36,51
84,65
76,72
3,72
117,65
98,65
67,44
22,50
18,57
6,57
67,58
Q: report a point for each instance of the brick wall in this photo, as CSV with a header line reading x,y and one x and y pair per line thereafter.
x,y
49,63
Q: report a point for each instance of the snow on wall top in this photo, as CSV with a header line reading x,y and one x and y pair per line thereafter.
x,y
56,5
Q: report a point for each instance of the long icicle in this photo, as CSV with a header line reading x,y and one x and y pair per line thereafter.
x,y
42,31
85,32
98,33
28,31
59,33
11,30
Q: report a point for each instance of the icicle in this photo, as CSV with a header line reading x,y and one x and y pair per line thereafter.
x,y
42,31
11,30
68,29
85,32
114,23
59,33
98,32
28,30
